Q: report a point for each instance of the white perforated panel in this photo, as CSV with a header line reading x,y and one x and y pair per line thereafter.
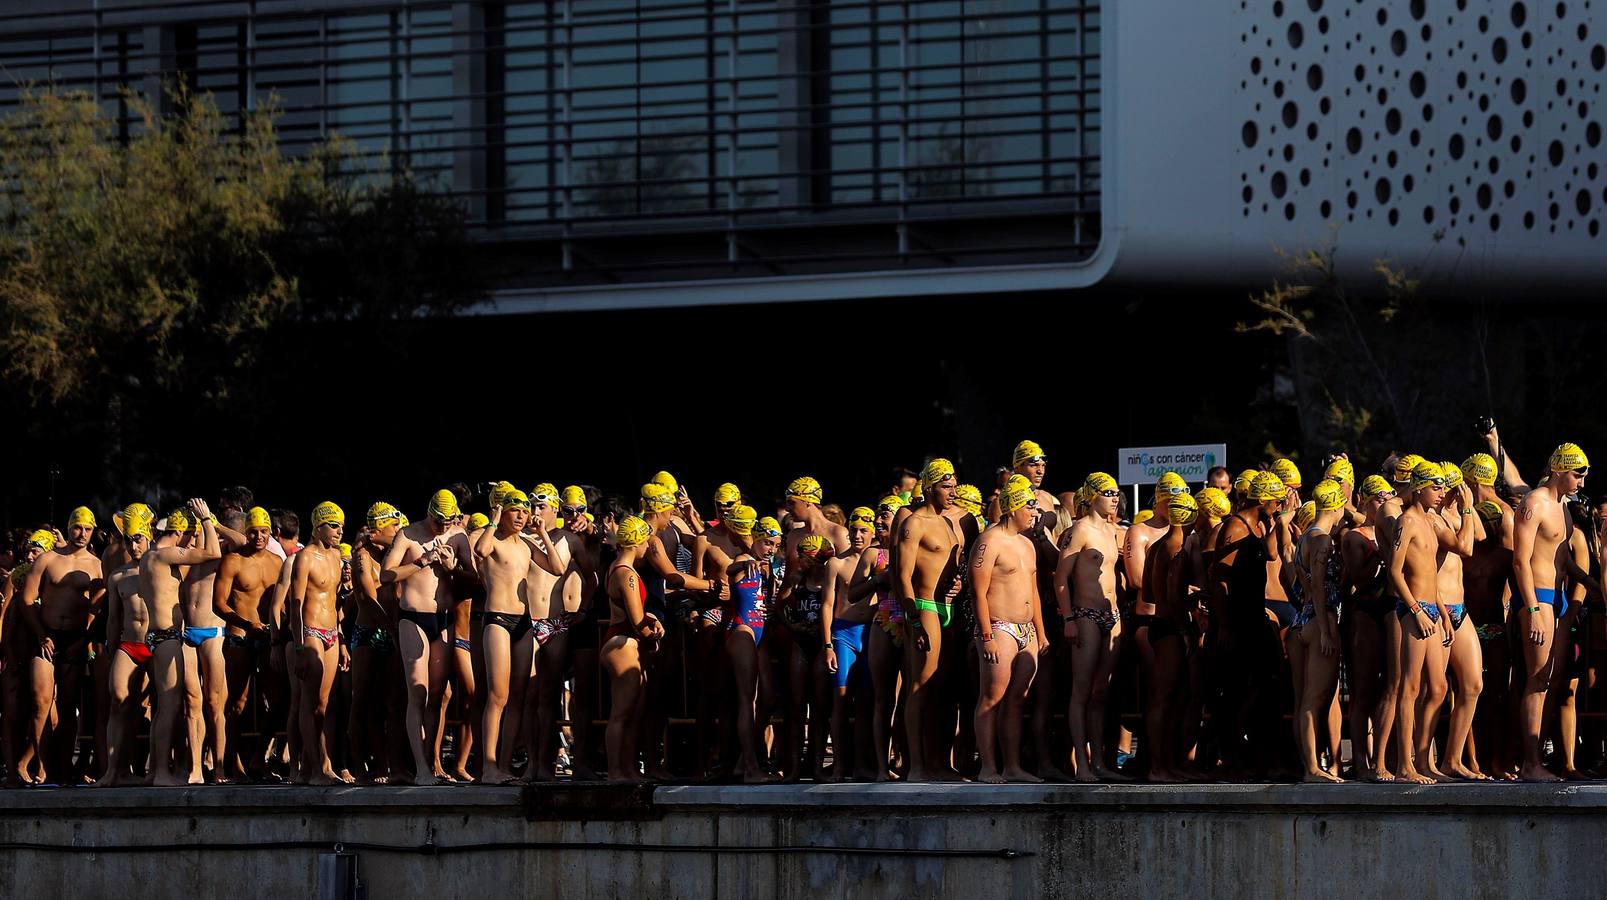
x,y
1466,116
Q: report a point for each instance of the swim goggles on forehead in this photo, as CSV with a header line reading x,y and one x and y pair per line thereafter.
x,y
516,504
1169,491
544,497
767,531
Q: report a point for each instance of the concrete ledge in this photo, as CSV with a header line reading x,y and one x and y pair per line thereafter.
x,y
214,798
1280,798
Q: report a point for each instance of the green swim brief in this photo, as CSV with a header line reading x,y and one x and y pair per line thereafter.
x,y
944,611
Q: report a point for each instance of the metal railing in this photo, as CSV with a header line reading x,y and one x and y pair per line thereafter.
x,y
756,136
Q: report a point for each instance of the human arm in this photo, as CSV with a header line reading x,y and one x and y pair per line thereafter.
x,y
982,558
31,586
1523,538
544,553
485,543
1509,469
659,559
1322,547
395,570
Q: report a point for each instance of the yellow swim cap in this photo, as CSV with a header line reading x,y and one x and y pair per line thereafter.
x,y
806,489
545,492
139,524
1328,495
657,498
935,471
1427,474
401,519
1025,452
513,498
1013,499
574,495
1404,466
1243,480
1453,474
1305,515
81,516
1340,470
1099,483
497,493
1266,486
740,519
1479,469
1083,497
1183,510
443,505
257,517
768,526
345,550
969,498
1287,471
862,515
815,546
179,521
478,521
1171,483
1144,515
1566,458
727,493
891,502
327,513
634,532
1489,509
1375,486
380,515
1213,503
42,539
668,481
130,512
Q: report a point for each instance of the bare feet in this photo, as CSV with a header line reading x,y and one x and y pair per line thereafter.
x,y
1321,777
428,780
1086,776
1412,776
1021,776
1466,774
1050,772
1537,773
886,775
584,772
987,777
1377,776
1572,774
461,774
493,776
1110,774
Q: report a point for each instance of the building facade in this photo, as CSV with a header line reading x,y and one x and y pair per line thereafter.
x,y
629,153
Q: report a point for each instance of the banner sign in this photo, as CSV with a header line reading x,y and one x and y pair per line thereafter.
x,y
1142,465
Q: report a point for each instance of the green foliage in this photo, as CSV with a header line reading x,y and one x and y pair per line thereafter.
x,y
160,264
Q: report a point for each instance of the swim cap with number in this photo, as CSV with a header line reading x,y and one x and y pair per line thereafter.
x,y
969,498
634,532
727,493
1341,470
1183,510
1267,486
657,498
1568,458
740,519
1479,469
1328,495
1375,486
1213,502
806,489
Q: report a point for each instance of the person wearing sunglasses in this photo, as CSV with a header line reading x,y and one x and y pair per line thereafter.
x,y
1366,622
1541,563
1085,598
420,563
504,558
555,600
1421,609
1009,633
712,551
1462,650
752,580
927,565
1166,581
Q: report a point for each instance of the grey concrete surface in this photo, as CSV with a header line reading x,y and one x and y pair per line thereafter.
x,y
816,841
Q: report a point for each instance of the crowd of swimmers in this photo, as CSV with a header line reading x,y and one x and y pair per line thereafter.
x,y
1424,622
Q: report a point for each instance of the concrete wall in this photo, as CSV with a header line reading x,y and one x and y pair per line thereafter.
x,y
819,842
